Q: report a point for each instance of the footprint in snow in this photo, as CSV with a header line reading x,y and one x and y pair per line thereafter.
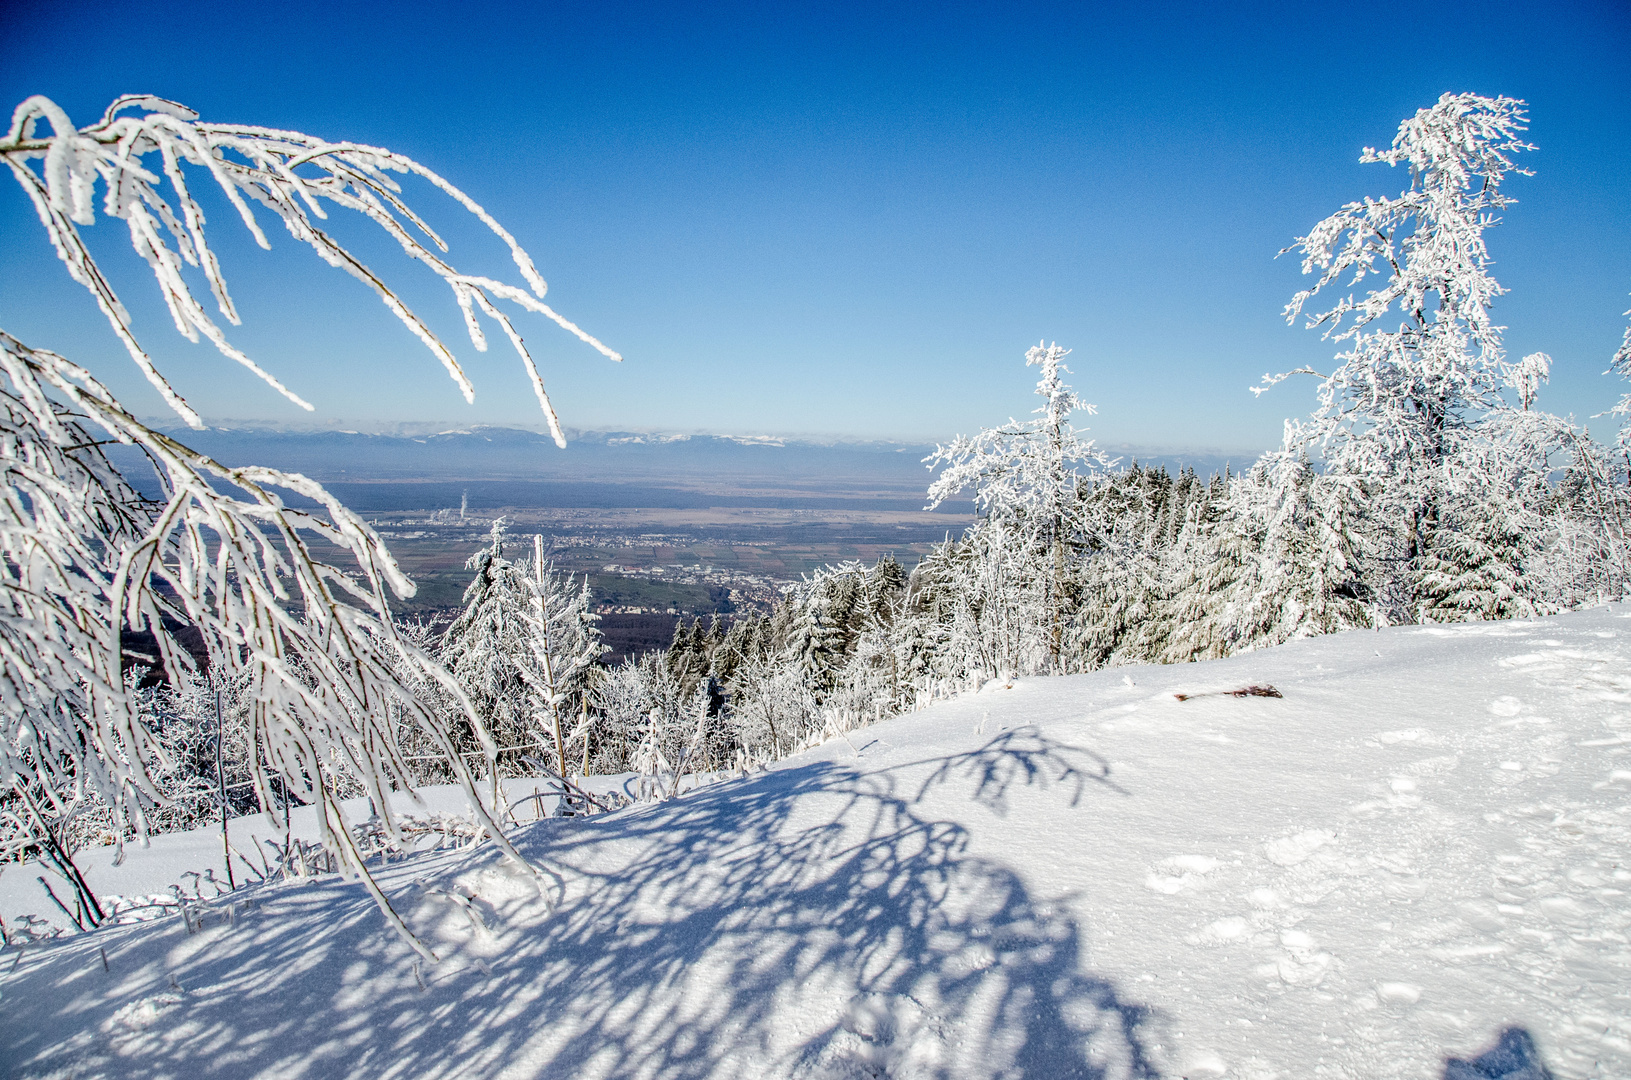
x,y
1266,900
1398,994
145,1012
1409,735
1291,850
1179,873
1402,793
1304,963
1204,1063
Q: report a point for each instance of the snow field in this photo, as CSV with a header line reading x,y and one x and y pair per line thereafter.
x,y
1420,846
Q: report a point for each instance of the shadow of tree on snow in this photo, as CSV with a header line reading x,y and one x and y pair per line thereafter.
x,y
813,921
1513,1057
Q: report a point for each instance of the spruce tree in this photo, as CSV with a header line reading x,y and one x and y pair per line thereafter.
x,y
479,647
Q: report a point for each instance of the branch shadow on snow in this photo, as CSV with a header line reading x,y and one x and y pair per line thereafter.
x,y
1023,756
1513,1057
810,922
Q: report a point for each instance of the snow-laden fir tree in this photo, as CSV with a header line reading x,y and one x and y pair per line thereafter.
x,y
1423,368
1285,556
1026,478
689,656
1120,586
1148,569
481,646
1203,562
523,648
879,617
562,648
815,641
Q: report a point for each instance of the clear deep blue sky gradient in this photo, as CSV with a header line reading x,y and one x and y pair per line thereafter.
x,y
846,219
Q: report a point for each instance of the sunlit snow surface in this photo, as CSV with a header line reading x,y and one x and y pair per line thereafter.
x,y
1423,845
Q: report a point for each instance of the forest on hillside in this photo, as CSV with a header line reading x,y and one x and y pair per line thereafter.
x,y
1429,487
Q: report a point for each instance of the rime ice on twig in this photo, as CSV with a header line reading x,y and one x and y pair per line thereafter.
x,y
85,557
288,173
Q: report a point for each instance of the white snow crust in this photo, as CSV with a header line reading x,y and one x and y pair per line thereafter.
x,y
1422,845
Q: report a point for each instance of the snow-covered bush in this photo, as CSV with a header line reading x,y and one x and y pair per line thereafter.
x,y
625,700
773,710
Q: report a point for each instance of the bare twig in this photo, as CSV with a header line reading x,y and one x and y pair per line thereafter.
x,y
1245,691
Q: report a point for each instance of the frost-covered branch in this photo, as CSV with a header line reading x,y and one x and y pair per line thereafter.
x,y
143,141
87,557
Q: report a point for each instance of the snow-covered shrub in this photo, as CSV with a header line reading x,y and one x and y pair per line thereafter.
x,y
773,710
625,700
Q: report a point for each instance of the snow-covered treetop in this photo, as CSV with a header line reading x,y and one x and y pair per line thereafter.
x,y
1458,152
1025,466
1400,393
1060,400
1528,375
142,141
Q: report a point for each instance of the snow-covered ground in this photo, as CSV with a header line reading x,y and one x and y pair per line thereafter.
x,y
1421,846
196,861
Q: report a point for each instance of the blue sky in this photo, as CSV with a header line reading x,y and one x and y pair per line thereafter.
x,y
845,219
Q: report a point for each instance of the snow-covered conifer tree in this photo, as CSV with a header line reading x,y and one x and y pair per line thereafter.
x,y
522,648
688,655
1408,399
1025,478
481,646
815,643
562,645
1284,559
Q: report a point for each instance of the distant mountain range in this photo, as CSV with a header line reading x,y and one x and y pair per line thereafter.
x,y
499,466
497,453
